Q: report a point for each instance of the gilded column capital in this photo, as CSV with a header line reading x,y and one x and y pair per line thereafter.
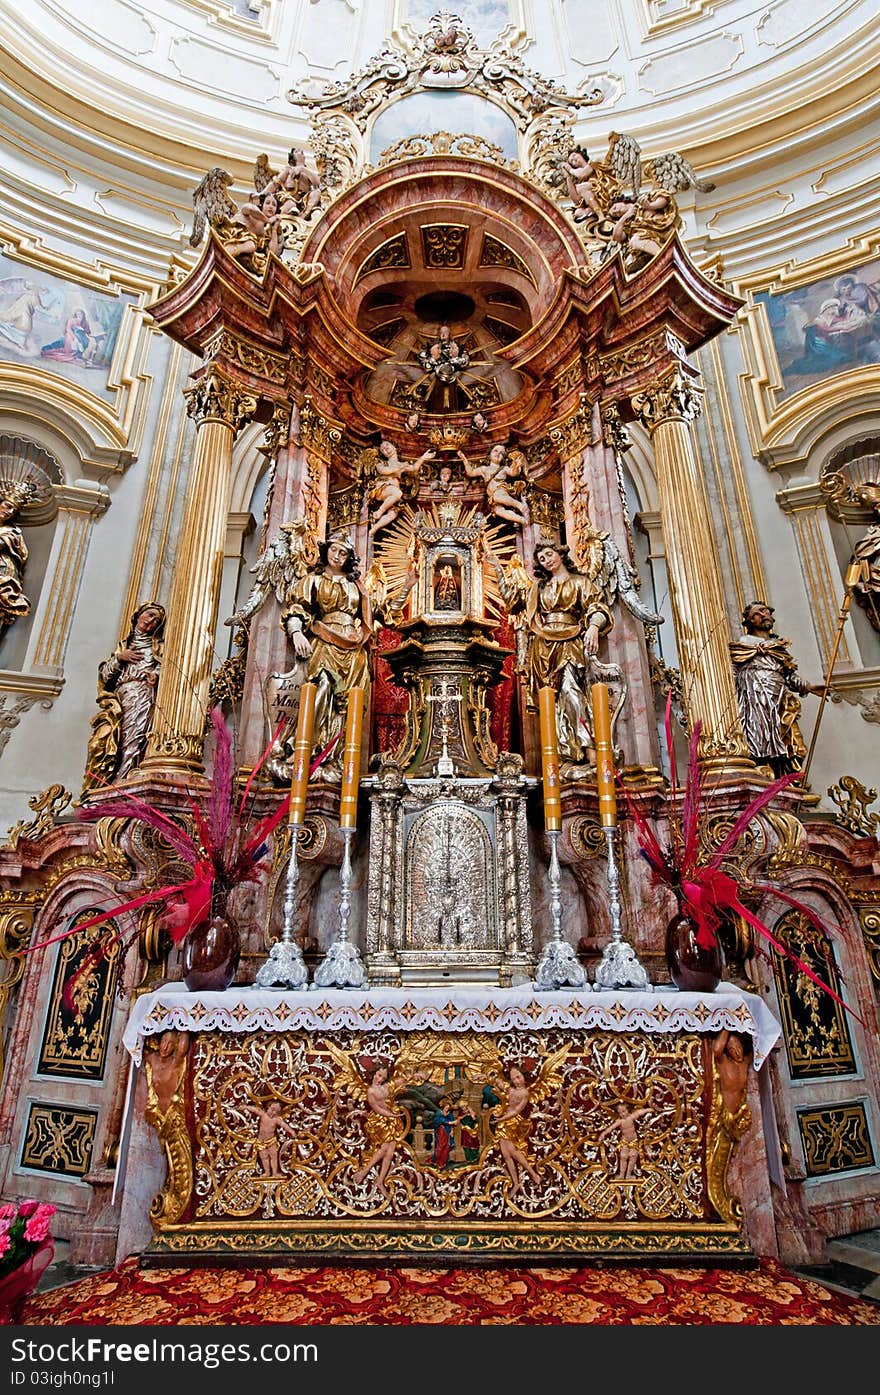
x,y
674,398
572,435
318,436
215,398
277,431
614,431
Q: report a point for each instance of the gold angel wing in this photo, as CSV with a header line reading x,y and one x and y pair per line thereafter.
x,y
349,1077
549,1077
302,547
624,159
263,172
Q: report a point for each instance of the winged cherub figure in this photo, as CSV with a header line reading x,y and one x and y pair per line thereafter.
x,y
386,1124
511,1119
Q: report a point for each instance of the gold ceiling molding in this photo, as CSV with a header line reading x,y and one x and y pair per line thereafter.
x,y
97,276
660,21
91,426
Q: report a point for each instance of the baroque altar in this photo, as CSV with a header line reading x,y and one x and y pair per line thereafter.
x,y
417,1125
425,368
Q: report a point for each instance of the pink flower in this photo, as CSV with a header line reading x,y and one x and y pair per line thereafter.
x,y
27,1208
8,1211
5,1242
37,1227
5,1225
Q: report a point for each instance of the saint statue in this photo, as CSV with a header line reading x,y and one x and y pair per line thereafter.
x,y
867,551
126,697
14,604
329,617
768,689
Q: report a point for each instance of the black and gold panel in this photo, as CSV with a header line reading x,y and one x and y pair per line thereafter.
x,y
391,255
59,1139
444,246
494,252
835,1138
77,1029
814,1026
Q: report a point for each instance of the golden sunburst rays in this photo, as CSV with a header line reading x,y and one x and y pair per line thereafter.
x,y
400,546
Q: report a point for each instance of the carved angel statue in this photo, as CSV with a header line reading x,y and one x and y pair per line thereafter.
x,y
510,1121
386,1124
385,492
212,206
328,614
627,203
560,616
296,186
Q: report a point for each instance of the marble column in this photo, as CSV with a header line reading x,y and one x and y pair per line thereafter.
x,y
220,408
597,488
667,408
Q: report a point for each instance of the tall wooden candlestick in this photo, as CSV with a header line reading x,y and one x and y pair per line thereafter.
x,y
557,965
342,966
285,967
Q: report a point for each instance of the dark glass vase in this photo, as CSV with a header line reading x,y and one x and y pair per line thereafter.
x,y
211,952
692,967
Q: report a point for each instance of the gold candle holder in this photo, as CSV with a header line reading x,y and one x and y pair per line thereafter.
x,y
342,966
558,966
285,967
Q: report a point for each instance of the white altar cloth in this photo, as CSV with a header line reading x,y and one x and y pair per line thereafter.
x,y
452,1009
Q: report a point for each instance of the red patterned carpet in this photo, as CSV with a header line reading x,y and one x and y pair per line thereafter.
x,y
768,1296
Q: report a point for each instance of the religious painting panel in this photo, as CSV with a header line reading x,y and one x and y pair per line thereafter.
x,y
826,326
66,328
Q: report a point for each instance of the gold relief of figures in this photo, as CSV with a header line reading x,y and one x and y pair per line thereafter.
x,y
24,488
426,1125
730,1116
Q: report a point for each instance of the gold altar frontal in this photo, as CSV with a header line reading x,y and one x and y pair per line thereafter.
x,y
427,1126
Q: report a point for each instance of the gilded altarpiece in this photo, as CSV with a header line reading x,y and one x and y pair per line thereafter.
x,y
465,1175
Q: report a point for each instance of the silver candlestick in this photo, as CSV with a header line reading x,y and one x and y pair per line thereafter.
x,y
619,967
342,966
558,965
284,966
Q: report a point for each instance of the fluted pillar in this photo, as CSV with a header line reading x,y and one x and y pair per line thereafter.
x,y
701,626
220,408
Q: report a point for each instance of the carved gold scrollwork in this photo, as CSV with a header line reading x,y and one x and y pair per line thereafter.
x,y
852,799
165,1067
276,433
674,398
253,358
16,928
108,833
47,806
869,918
572,435
614,430
586,837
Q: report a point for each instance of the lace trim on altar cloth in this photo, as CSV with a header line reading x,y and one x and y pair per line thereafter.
x,y
449,1010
